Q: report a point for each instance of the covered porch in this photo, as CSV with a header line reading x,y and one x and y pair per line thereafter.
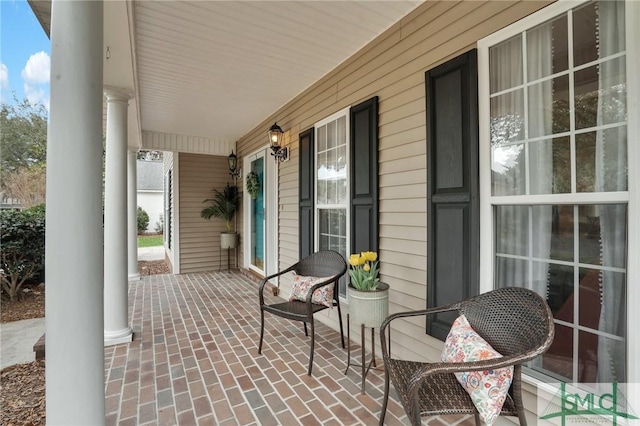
x,y
194,360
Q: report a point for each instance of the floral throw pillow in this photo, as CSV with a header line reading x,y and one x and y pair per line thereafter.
x,y
488,389
302,284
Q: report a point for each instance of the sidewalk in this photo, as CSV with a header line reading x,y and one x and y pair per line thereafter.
x,y
17,339
151,253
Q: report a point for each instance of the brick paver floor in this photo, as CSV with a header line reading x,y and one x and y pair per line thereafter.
x,y
194,361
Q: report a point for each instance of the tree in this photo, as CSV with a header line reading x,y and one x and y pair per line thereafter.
x,y
27,185
23,140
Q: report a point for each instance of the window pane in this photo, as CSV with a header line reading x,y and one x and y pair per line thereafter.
x,y
341,130
558,360
553,232
603,230
600,290
322,138
321,195
505,62
342,173
585,34
549,107
560,291
601,94
508,170
512,225
601,160
507,118
511,272
550,166
600,359
333,235
598,31
332,139
547,51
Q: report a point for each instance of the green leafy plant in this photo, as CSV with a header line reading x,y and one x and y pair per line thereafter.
x,y
253,184
159,228
22,254
364,271
143,220
224,205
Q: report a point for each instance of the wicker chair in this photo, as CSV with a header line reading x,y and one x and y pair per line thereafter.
x,y
321,264
514,321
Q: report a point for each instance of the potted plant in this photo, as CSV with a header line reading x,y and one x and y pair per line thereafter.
x,y
224,205
368,297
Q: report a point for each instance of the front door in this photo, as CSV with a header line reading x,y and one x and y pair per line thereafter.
x,y
261,217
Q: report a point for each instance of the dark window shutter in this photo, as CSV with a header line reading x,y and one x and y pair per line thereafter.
x,y
453,228
364,176
305,194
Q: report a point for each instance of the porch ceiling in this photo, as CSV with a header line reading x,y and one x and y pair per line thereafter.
x,y
216,69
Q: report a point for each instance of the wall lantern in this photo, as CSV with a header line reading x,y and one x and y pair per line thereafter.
x,y
234,171
276,139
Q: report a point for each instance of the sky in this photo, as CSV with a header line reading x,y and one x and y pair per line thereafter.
x,y
24,54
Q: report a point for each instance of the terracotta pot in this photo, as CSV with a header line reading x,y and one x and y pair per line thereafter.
x,y
369,307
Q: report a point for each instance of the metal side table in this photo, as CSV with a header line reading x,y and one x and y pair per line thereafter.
x,y
365,367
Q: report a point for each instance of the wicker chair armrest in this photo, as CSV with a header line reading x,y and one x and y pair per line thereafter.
x,y
424,312
459,367
266,279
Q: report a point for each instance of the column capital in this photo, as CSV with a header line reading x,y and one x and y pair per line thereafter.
x,y
117,94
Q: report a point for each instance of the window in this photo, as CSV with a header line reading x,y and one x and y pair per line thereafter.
x,y
554,190
332,185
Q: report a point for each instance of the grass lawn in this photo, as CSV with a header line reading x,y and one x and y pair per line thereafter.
x,y
149,240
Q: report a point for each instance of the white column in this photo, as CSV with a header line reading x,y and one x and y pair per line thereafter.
x,y
116,285
132,215
74,261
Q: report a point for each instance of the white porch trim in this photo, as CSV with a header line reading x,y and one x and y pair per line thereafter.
x,y
185,143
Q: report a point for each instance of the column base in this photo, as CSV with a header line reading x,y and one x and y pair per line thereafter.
x,y
134,277
116,337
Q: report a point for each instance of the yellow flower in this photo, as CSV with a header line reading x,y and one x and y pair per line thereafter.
x,y
367,268
354,260
371,256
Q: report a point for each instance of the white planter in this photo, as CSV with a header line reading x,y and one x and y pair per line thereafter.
x,y
228,240
369,307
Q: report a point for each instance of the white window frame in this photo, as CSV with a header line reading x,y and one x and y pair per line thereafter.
x,y
316,232
631,197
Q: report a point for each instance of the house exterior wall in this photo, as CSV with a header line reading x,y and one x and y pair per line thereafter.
x,y
200,238
392,67
153,203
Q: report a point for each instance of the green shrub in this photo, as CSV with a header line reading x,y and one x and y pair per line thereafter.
x,y
143,220
160,225
22,250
